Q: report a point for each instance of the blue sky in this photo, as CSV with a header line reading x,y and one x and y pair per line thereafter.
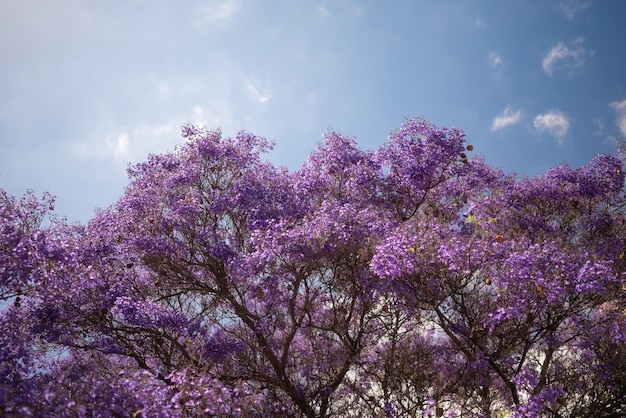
x,y
88,86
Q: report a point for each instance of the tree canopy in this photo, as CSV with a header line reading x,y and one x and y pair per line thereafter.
x,y
413,280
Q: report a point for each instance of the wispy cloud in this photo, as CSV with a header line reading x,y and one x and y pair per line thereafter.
x,y
564,57
323,11
554,123
508,117
130,145
479,22
119,147
494,60
572,7
256,91
354,9
496,64
210,12
620,109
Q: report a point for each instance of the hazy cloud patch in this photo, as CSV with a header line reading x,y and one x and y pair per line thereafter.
x,y
479,23
119,147
353,9
209,12
130,145
323,11
620,121
572,7
135,144
494,60
256,91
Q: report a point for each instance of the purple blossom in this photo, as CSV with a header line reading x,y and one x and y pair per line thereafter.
x,y
407,280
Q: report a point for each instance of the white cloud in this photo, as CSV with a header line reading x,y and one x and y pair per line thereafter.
x,y
554,123
210,12
119,147
131,145
219,115
620,109
563,57
256,91
507,118
571,7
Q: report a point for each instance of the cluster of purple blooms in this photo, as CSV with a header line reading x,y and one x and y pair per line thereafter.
x,y
410,281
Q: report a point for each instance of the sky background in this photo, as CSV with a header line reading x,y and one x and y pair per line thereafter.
x,y
88,86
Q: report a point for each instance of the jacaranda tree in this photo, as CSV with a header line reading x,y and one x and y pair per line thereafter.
x,y
408,281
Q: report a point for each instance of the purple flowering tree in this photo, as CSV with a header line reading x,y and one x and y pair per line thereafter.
x,y
408,281
520,277
23,245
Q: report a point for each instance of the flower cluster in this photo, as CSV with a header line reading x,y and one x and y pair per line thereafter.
x,y
411,280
